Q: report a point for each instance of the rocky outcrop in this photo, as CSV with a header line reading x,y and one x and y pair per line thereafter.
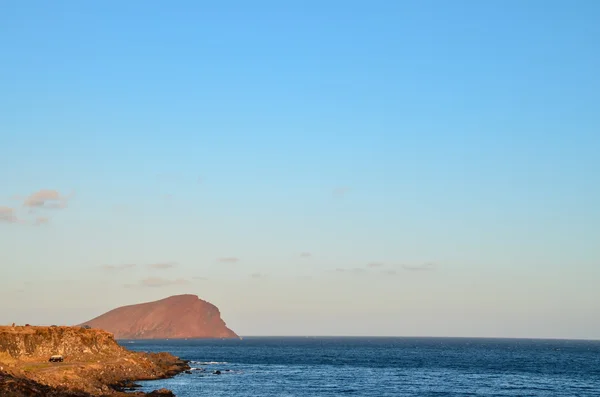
x,y
13,386
161,393
94,364
180,316
26,342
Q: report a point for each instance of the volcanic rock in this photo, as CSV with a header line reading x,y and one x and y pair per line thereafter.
x,y
94,363
176,317
161,393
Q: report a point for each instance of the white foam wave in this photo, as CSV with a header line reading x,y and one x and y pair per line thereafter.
x,y
209,362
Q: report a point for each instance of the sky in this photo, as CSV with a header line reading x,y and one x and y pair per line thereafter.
x,y
398,168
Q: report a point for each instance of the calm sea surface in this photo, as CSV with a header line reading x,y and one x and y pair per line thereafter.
x,y
381,367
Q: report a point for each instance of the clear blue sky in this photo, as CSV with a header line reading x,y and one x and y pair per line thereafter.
x,y
437,162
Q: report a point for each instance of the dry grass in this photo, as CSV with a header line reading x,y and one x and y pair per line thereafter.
x,y
36,366
17,330
7,358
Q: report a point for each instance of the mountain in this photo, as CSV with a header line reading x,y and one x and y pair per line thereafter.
x,y
176,317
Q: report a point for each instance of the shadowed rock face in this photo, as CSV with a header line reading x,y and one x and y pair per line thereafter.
x,y
180,316
11,386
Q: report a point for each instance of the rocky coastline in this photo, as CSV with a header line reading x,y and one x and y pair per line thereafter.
x,y
94,364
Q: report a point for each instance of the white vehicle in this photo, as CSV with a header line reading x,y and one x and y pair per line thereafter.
x,y
57,358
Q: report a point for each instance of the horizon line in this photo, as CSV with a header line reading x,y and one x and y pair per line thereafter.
x,y
377,336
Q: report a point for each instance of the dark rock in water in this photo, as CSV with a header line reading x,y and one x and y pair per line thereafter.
x,y
188,372
129,385
161,393
217,372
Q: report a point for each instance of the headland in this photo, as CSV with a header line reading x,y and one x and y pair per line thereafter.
x,y
175,317
88,362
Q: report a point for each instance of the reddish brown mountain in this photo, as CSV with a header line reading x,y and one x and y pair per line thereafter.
x,y
180,316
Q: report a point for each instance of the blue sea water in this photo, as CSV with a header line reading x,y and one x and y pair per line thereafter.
x,y
333,366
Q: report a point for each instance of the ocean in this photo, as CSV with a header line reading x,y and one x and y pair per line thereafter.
x,y
381,367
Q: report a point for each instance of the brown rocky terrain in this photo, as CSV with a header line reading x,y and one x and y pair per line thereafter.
x,y
176,317
13,386
94,364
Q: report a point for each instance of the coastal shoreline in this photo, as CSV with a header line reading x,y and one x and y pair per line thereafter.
x,y
12,385
93,364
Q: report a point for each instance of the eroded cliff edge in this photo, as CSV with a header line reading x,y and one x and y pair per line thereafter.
x,y
93,363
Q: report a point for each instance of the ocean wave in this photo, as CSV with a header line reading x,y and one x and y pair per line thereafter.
x,y
209,362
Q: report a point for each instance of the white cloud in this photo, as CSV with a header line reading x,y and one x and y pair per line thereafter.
x,y
8,215
420,268
41,220
228,260
46,198
165,265
118,267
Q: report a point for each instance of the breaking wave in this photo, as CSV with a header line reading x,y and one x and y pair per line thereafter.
x,y
209,362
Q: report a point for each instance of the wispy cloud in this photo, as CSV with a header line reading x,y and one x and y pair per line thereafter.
x,y
351,270
165,265
46,198
200,278
228,260
390,272
355,270
118,267
340,191
305,255
8,215
375,264
420,268
41,220
257,275
155,282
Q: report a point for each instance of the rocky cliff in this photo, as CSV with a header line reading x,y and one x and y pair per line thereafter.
x,y
41,342
94,364
176,317
13,386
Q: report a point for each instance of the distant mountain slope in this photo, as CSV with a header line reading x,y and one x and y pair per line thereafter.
x,y
179,316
